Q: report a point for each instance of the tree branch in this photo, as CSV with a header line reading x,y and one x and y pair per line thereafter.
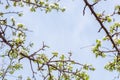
x,y
101,24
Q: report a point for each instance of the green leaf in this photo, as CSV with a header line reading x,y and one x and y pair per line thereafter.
x,y
11,72
93,69
48,9
32,9
14,3
18,66
63,9
31,44
20,77
118,41
108,18
20,25
117,7
62,57
28,78
7,6
20,14
86,67
13,21
41,3
95,1
1,14
55,54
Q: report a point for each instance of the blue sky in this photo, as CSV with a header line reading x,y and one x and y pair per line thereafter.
x,y
69,31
